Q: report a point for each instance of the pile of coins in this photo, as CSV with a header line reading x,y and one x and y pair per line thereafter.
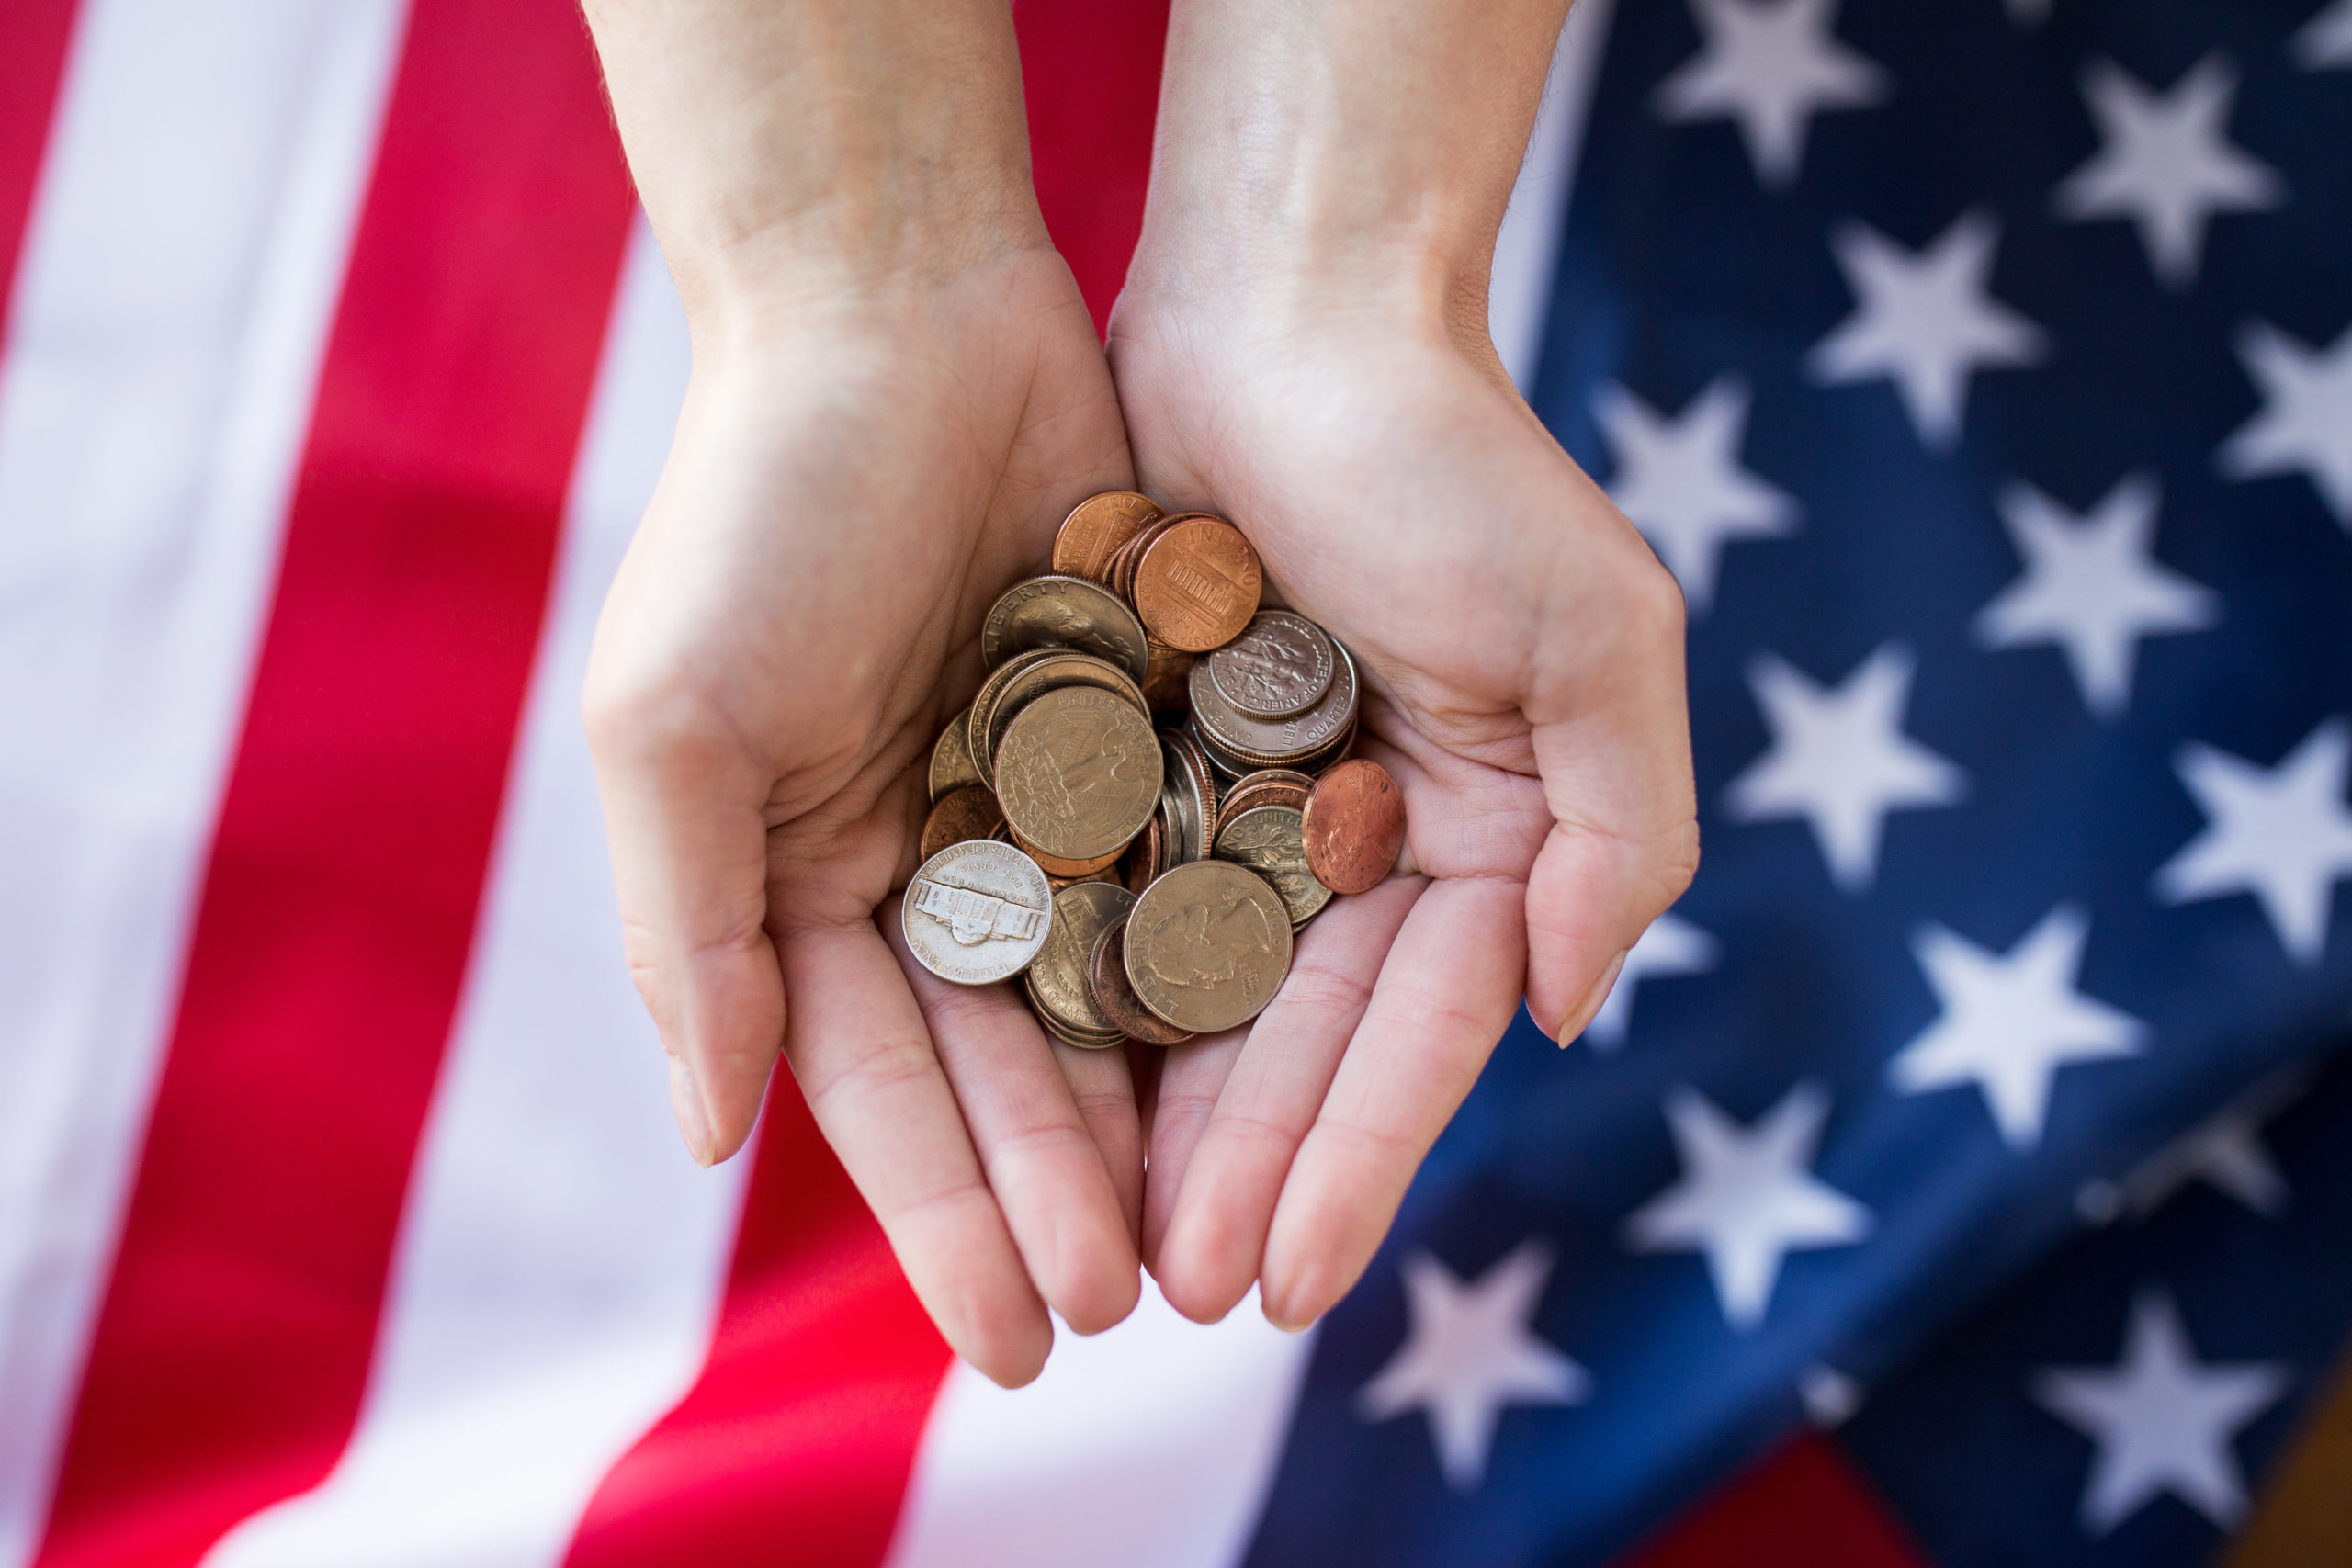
x,y
1151,792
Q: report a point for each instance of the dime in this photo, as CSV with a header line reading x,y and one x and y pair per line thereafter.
x,y
967,813
1353,826
1278,667
1193,796
1116,997
1196,585
951,758
1095,530
1058,979
1078,773
1277,743
1266,840
977,912
1068,869
1207,947
1065,612
1053,668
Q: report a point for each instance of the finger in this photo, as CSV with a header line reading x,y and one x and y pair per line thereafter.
x,y
681,810
1448,990
1190,1081
1227,1182
1105,1088
1041,1162
864,1058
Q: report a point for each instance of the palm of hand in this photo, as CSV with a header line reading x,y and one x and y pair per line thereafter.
x,y
1521,652
839,510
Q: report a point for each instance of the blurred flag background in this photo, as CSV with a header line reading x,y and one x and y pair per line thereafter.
x,y
1961,1174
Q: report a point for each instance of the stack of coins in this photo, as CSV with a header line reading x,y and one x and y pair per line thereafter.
x,y
1151,792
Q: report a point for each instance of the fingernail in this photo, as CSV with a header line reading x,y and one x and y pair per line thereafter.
x,y
685,1103
1581,1014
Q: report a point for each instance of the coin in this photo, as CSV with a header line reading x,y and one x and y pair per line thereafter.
x,y
967,813
1353,826
1067,870
977,912
1266,840
1207,945
1164,684
1116,997
1095,530
1065,612
1142,860
984,704
1052,669
1192,793
1196,585
951,758
1268,786
1277,667
1277,743
1123,564
1058,979
1078,773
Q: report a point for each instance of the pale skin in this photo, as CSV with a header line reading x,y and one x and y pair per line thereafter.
x,y
897,394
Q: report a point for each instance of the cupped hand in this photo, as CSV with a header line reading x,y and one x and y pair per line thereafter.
x,y
854,478
1521,651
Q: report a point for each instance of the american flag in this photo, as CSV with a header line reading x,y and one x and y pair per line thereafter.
x,y
1952,1179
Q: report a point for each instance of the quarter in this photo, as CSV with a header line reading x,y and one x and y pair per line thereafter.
x,y
1207,947
977,912
1065,612
1058,979
951,758
1117,999
1266,840
1078,773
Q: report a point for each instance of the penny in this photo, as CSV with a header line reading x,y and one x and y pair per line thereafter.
x,y
1207,947
1095,530
1058,978
967,813
1164,687
1078,773
1277,743
977,912
1116,997
1353,826
1266,840
1280,665
1057,866
1269,786
951,767
1064,612
1196,585
1051,669
1143,859
1123,564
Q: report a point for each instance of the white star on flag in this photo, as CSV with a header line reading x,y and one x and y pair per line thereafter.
x,y
1839,760
2326,42
2283,834
2225,1151
2092,587
1469,1352
1770,66
2008,1021
1670,946
1747,1197
2305,422
2166,164
1681,482
1926,320
2161,1420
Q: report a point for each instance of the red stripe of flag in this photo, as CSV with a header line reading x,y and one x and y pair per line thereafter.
x,y
1804,1506
33,38
799,1433
231,1354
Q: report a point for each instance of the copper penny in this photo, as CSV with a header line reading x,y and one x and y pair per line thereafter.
x,y
1123,564
1061,866
1095,530
1353,826
1165,685
970,812
1197,584
1116,997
